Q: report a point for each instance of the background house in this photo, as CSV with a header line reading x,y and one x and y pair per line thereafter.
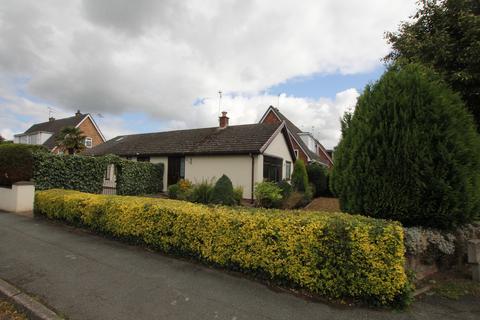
x,y
247,154
46,133
306,146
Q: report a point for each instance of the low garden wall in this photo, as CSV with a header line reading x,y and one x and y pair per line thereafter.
x,y
18,198
335,255
430,250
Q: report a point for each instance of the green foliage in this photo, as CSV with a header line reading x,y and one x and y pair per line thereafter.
x,y
222,192
410,153
336,255
16,162
201,193
286,188
318,176
2,139
84,173
68,172
299,176
268,195
238,194
71,139
135,178
173,191
444,35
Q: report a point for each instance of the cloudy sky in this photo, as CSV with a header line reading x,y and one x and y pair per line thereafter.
x,y
150,65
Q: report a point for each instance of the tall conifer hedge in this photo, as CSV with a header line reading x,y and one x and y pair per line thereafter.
x,y
410,152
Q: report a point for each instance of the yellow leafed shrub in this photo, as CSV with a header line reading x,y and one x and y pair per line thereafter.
x,y
333,254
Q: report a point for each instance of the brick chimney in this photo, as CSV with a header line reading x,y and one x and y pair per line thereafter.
x,y
78,113
223,120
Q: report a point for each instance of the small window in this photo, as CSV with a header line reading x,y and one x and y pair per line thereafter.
x,y
143,158
288,170
296,153
88,142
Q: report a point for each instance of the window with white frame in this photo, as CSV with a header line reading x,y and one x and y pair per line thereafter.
x,y
288,170
88,142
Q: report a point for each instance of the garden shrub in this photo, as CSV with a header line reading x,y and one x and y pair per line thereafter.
x,y
201,192
286,188
299,176
336,255
16,162
410,152
268,195
318,176
173,191
238,194
222,192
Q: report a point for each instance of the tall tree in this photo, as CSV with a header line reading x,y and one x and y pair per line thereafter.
x,y
410,152
445,35
2,139
71,139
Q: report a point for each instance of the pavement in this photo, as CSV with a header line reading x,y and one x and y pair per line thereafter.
x,y
84,276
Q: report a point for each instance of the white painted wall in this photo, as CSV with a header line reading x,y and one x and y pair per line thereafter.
x,y
237,167
34,138
17,199
279,148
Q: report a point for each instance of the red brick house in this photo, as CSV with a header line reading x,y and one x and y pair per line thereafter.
x,y
305,145
46,133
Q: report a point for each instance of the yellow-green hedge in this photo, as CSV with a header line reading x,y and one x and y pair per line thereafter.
x,y
336,255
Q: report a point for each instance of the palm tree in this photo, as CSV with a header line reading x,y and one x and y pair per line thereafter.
x,y
71,139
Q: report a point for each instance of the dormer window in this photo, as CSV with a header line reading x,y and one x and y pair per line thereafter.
x,y
88,142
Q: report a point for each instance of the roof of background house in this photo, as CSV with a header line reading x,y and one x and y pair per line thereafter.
x,y
294,130
241,139
55,126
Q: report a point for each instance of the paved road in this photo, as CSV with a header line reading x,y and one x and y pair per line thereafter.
x,y
87,277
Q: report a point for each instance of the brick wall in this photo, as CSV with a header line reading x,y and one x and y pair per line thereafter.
x,y
89,130
271,118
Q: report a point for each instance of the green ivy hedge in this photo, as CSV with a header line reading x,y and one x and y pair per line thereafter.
x,y
135,178
68,172
84,173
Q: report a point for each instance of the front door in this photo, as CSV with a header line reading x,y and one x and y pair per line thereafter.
x,y
176,169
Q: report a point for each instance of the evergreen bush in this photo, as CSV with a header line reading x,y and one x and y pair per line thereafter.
x,y
222,192
318,176
410,152
16,162
299,177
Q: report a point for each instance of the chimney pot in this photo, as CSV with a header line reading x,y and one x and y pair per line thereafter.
x,y
78,113
223,120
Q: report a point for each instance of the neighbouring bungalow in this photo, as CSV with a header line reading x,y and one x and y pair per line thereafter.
x,y
46,133
306,146
247,154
